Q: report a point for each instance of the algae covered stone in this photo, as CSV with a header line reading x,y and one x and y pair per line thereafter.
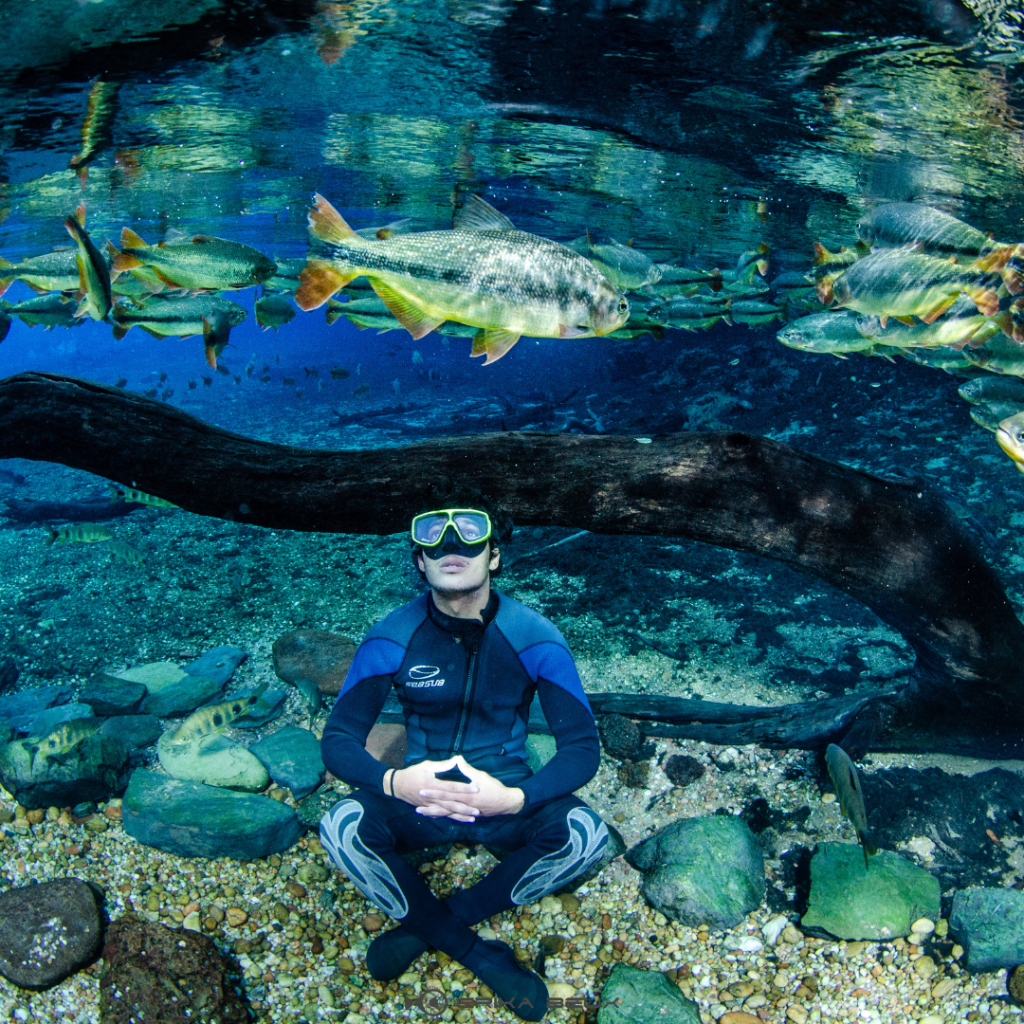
x,y
634,996
214,760
702,871
193,820
292,757
989,924
879,902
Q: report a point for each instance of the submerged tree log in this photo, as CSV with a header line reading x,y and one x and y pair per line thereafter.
x,y
889,543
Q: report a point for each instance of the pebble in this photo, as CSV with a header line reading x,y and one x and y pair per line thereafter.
x,y
923,926
792,935
236,917
796,1013
924,967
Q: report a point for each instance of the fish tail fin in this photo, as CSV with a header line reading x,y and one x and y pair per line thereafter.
x,y
131,240
122,261
821,255
995,260
1005,322
824,290
51,535
326,223
320,280
79,214
986,299
261,689
762,264
716,280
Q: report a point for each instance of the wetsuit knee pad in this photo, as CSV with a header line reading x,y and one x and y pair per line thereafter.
x,y
339,836
588,837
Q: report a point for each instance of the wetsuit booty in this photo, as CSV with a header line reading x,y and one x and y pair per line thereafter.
x,y
392,953
521,991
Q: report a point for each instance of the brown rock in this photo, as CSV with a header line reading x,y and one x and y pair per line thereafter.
x,y
373,923
295,890
739,1017
236,917
152,973
315,654
1015,985
387,742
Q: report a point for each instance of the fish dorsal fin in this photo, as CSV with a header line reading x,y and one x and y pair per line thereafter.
x,y
493,342
131,240
477,214
326,223
821,254
79,214
415,320
175,235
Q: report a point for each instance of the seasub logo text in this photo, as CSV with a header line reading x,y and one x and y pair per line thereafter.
x,y
424,675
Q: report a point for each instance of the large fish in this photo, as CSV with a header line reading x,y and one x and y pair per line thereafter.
x,y
51,310
78,533
96,127
199,263
167,317
898,283
484,274
962,324
851,797
55,271
897,225
983,390
215,717
93,273
1010,436
826,334
62,739
626,268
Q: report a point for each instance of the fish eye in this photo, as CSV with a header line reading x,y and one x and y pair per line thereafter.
x,y
623,305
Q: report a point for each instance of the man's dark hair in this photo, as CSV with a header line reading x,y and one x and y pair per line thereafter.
x,y
501,520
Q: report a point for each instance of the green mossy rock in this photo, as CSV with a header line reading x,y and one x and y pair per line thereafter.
x,y
879,902
193,820
633,996
702,871
214,760
989,924
154,676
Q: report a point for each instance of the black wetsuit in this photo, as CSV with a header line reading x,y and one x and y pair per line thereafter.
x,y
466,687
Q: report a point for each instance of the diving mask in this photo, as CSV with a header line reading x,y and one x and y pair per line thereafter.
x,y
464,531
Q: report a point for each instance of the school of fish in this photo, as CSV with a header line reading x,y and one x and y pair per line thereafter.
x,y
922,284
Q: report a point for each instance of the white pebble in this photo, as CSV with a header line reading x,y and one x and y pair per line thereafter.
x,y
773,929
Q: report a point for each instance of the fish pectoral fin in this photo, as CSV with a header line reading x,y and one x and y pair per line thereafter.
x,y
564,331
908,320
320,280
477,214
823,289
326,223
415,320
493,342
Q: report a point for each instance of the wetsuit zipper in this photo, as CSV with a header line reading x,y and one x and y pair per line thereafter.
x,y
470,685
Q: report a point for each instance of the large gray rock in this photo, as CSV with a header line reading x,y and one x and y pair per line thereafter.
x,y
18,709
109,695
292,757
94,769
214,760
989,924
702,871
182,697
48,932
155,675
314,654
193,820
218,664
634,996
141,958
46,721
881,901
136,731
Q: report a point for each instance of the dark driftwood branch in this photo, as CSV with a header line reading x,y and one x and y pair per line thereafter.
x,y
891,544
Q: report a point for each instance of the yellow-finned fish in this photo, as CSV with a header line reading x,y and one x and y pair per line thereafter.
x,y
1010,436
215,717
826,334
55,271
78,533
131,495
93,273
96,127
200,263
63,738
844,777
962,324
900,283
626,268
898,225
484,274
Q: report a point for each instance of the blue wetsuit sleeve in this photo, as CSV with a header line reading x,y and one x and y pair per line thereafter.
x,y
343,744
578,751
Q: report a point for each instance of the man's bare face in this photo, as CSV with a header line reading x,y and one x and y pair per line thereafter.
x,y
459,574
